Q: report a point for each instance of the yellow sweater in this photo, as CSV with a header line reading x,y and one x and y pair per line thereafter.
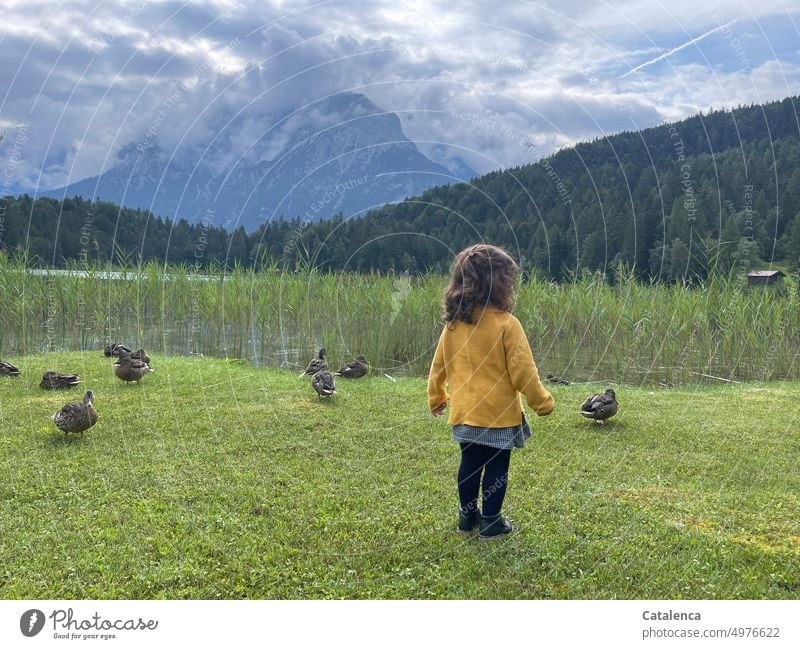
x,y
485,364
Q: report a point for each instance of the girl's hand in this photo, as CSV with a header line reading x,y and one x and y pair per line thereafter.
x,y
439,410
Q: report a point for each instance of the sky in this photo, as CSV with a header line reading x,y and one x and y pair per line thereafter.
x,y
481,83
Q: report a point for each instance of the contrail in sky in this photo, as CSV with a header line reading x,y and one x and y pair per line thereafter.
x,y
679,48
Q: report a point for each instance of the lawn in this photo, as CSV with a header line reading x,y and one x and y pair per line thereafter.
x,y
215,479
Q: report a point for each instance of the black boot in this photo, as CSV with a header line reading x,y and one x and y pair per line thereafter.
x,y
468,523
494,527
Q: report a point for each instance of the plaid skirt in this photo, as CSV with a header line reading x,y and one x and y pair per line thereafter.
x,y
504,438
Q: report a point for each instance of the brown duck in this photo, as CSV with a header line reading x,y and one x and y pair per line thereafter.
x,y
600,407
324,384
116,349
316,364
7,369
131,369
139,355
354,370
77,417
55,381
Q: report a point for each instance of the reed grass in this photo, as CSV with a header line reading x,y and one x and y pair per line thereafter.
x,y
588,330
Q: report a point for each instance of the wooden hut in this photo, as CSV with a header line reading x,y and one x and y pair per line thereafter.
x,y
765,278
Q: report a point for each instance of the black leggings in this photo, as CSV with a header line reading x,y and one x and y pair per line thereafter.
x,y
494,464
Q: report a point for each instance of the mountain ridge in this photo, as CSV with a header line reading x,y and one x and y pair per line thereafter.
x,y
285,168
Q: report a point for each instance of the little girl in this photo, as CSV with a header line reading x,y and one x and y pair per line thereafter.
x,y
484,358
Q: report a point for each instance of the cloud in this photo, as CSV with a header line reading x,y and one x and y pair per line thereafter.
x,y
483,84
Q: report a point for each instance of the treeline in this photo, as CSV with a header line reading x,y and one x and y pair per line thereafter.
x,y
49,232
709,193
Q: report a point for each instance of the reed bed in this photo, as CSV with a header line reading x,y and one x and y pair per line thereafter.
x,y
586,330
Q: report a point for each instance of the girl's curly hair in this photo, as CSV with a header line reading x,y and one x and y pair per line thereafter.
x,y
483,275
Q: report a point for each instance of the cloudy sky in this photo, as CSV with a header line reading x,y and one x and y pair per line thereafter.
x,y
490,84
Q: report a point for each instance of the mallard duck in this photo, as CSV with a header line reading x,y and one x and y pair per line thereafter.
x,y
131,369
557,380
55,381
7,369
600,406
324,384
116,349
77,417
354,370
139,355
316,364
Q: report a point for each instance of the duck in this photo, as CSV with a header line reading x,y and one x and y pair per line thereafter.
x,y
324,384
7,369
141,355
138,355
131,369
55,381
556,380
116,349
77,417
316,364
354,370
600,407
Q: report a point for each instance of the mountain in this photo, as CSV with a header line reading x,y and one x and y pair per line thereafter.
x,y
340,154
715,192
12,189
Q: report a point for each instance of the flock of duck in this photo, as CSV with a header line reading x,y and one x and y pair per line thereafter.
x,y
324,382
79,416
132,366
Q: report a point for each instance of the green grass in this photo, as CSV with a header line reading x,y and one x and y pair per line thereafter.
x,y
214,479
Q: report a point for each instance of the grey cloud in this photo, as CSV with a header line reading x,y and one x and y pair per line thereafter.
x,y
546,74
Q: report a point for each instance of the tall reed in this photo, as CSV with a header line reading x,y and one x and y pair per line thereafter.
x,y
586,330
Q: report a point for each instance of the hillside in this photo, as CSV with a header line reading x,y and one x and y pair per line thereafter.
x,y
673,200
717,190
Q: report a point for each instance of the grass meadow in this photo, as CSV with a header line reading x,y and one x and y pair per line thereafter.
x,y
217,479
